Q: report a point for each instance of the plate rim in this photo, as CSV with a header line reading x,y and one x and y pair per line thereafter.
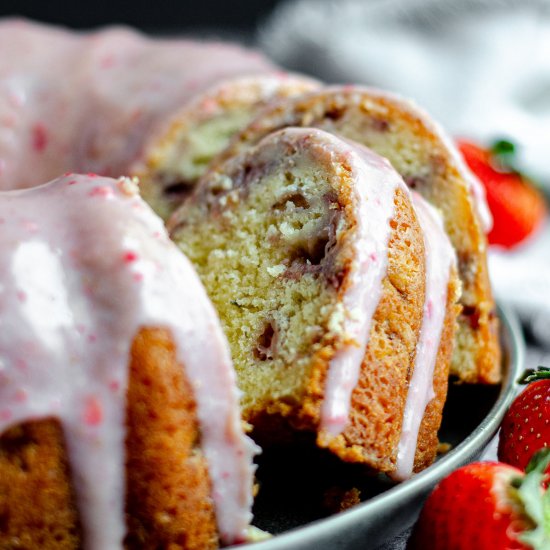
x,y
422,483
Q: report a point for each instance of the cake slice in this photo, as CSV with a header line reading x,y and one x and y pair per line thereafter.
x,y
119,417
429,163
179,154
312,252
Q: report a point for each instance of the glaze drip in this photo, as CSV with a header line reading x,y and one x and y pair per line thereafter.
x,y
84,265
440,257
375,209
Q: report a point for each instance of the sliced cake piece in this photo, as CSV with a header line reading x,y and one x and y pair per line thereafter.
x,y
179,154
429,163
313,255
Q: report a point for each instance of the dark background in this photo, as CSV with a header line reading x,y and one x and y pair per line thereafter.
x,y
153,15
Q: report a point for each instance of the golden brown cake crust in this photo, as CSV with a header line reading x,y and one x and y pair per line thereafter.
x,y
37,506
381,121
168,493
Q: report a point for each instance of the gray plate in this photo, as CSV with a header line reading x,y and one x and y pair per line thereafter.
x,y
294,482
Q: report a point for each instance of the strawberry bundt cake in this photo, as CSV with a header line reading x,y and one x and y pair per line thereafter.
x,y
114,367
312,250
428,162
334,279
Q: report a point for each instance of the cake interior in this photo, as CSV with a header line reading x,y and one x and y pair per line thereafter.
x,y
266,253
192,150
184,156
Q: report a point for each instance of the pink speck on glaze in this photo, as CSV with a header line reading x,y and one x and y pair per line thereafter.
x,y
102,191
21,396
93,411
21,365
21,295
107,61
30,226
138,277
39,137
79,291
429,311
282,75
209,106
129,257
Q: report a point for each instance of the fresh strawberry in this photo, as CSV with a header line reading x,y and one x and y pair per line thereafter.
x,y
487,506
518,208
526,426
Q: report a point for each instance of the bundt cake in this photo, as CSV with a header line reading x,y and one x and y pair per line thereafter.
x,y
418,149
118,407
313,253
88,102
175,158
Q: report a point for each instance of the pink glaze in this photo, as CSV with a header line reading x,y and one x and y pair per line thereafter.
x,y
87,102
440,257
376,183
73,295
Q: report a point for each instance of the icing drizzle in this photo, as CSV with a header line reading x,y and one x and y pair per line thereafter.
x,y
375,209
376,184
84,265
440,257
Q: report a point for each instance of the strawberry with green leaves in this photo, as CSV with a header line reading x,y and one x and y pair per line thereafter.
x,y
526,426
487,506
518,208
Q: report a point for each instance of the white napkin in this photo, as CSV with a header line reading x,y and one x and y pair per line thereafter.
x,y
480,67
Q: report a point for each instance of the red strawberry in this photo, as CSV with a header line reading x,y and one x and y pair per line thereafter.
x,y
518,208
487,506
526,426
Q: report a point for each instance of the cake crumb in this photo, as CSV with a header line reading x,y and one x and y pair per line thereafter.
x,y
276,270
338,499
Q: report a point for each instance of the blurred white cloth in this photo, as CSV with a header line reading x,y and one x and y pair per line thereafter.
x,y
480,67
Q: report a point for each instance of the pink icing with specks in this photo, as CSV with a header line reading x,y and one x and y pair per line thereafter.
x,y
87,102
440,257
376,184
84,265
